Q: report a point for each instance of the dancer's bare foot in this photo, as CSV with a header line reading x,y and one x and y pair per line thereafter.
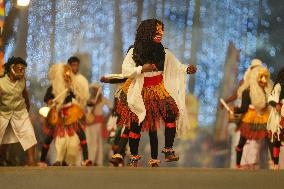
x,y
270,164
57,163
30,156
239,167
41,164
275,167
31,163
86,163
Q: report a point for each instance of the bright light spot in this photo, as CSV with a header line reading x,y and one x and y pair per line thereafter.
x,y
23,3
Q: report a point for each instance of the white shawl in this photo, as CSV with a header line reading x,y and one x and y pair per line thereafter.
x,y
175,83
79,86
273,123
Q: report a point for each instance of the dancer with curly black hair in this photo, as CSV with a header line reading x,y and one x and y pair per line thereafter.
x,y
154,92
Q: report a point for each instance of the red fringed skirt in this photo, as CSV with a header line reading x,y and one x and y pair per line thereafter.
x,y
67,120
160,106
253,125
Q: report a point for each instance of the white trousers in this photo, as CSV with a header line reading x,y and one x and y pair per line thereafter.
x,y
251,149
17,129
95,143
68,149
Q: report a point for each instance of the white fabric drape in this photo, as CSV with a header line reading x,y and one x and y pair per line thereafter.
x,y
274,117
174,80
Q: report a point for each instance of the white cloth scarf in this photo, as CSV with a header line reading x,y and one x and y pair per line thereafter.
x,y
175,83
273,123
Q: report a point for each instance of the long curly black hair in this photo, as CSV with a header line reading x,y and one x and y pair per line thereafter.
x,y
280,77
146,51
13,60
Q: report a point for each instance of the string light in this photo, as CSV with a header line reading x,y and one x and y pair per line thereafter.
x,y
88,27
23,3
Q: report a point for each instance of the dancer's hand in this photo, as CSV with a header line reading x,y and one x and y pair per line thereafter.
x,y
50,102
191,69
148,68
278,108
233,108
221,105
104,79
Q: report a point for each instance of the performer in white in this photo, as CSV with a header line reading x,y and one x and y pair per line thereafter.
x,y
276,118
250,156
95,123
253,92
66,118
14,106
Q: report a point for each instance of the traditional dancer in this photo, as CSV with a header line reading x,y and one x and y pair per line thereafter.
x,y
67,95
155,91
14,107
275,123
96,123
251,148
118,135
253,92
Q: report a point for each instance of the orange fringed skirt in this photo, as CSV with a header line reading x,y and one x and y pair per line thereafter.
x,y
66,120
160,106
253,126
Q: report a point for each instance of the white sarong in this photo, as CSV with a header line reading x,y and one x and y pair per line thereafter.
x,y
20,130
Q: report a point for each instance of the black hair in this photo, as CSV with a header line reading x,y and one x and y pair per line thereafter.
x,y
73,59
130,47
280,77
145,49
13,60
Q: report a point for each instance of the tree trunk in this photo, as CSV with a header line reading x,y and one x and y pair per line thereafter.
x,y
139,12
22,34
259,27
163,9
195,40
117,57
185,32
228,86
52,35
152,9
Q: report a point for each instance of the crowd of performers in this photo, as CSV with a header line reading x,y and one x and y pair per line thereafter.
x,y
259,116
151,93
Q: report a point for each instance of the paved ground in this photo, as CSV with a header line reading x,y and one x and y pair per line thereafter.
x,y
130,178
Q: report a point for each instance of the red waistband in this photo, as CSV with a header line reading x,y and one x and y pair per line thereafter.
x,y
99,118
150,81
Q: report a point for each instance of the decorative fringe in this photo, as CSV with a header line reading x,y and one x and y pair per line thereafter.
x,y
253,125
124,115
158,103
59,130
276,136
255,132
68,119
254,118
